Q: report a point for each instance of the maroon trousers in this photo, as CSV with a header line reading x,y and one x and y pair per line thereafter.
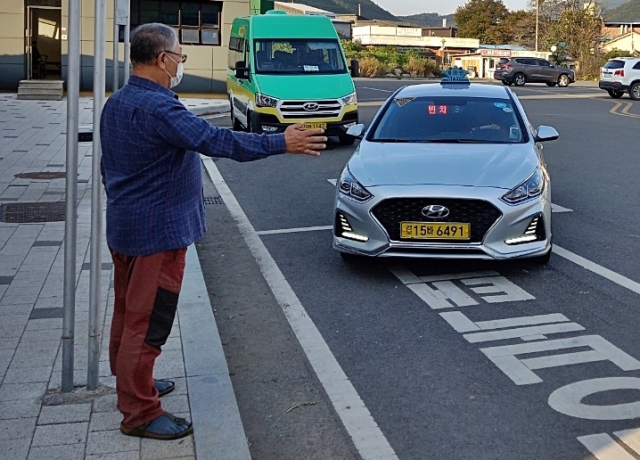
x,y
146,299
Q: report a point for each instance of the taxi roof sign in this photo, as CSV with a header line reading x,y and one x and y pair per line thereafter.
x,y
455,75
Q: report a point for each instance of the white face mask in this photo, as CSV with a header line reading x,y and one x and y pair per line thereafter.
x,y
175,81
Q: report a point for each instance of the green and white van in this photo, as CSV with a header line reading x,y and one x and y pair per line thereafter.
x,y
285,69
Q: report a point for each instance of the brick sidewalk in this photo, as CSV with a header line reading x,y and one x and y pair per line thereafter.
x,y
36,420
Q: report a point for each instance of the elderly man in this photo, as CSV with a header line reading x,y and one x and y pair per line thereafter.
x,y
153,179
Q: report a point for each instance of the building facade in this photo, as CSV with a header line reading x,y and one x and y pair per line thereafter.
x,y
34,39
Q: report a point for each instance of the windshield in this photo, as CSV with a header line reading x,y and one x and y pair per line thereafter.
x,y
296,56
449,120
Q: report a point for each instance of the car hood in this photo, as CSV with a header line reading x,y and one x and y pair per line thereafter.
x,y
479,165
305,86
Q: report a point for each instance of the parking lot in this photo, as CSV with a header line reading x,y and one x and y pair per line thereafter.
x,y
432,359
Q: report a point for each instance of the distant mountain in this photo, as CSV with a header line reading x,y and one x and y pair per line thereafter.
x,y
629,11
368,9
429,19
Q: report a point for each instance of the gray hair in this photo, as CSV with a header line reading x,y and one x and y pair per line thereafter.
x,y
149,40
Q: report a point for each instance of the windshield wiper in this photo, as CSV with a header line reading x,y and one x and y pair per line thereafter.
x,y
390,140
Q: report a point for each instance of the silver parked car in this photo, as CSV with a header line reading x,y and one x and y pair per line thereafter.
x,y
451,170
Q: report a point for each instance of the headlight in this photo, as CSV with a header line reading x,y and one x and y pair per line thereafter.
x,y
263,100
530,188
352,188
350,99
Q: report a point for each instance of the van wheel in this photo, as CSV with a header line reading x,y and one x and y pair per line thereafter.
x,y
615,94
519,79
346,139
563,81
235,123
634,91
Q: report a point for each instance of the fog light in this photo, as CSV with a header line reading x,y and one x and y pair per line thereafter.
x,y
530,234
344,230
269,129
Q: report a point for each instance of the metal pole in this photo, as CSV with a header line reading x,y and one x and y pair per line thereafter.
x,y
116,59
99,69
71,194
537,20
127,35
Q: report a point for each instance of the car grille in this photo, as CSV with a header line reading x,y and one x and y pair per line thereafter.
x,y
480,214
295,109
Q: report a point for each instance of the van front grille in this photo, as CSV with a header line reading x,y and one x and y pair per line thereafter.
x,y
323,109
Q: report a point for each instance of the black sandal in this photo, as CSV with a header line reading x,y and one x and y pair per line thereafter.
x,y
141,431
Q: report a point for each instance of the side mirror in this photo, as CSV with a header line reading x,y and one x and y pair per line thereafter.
x,y
546,133
356,131
242,71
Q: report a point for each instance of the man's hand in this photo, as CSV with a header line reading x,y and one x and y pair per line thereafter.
x,y
308,142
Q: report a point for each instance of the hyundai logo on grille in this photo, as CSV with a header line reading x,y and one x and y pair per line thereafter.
x,y
435,211
311,106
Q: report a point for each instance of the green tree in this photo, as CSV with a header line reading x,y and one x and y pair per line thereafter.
x,y
483,19
520,28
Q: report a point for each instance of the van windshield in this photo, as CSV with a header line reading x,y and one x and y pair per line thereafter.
x,y
298,56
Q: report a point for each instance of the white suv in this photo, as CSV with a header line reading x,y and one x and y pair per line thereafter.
x,y
620,75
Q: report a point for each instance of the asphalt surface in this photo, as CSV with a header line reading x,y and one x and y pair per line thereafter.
x,y
435,390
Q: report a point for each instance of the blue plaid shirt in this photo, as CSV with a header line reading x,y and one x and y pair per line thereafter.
x,y
151,171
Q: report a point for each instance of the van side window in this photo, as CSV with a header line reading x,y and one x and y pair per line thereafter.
x,y
236,51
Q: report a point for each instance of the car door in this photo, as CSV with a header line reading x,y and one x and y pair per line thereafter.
x,y
547,72
527,67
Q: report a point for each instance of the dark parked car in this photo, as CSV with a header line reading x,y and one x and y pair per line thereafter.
x,y
523,70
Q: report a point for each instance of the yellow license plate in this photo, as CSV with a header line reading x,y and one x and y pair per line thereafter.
x,y
435,231
314,126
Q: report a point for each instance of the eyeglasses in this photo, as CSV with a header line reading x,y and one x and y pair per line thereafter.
x,y
183,57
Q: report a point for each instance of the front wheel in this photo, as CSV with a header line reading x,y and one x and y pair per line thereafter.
x,y
563,81
506,83
634,91
615,94
551,83
519,79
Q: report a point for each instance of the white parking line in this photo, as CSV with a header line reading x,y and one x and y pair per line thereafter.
x,y
356,418
378,89
294,230
598,269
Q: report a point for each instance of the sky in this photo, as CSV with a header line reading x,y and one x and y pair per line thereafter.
x,y
409,7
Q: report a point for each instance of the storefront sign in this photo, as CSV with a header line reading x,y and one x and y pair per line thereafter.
x,y
495,53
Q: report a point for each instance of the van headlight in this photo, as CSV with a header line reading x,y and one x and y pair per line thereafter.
x,y
350,187
262,100
350,99
532,187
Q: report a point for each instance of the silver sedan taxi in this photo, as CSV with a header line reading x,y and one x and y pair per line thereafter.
x,y
451,170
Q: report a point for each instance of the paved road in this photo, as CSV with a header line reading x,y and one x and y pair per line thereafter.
x,y
444,360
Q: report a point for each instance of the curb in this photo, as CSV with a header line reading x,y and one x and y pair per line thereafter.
x,y
218,430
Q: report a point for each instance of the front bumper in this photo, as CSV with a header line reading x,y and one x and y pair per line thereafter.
x,y
268,123
612,86
511,222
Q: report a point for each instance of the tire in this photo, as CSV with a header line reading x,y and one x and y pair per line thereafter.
x,y
235,123
346,140
563,80
543,260
634,91
519,79
506,83
351,259
615,94
551,83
